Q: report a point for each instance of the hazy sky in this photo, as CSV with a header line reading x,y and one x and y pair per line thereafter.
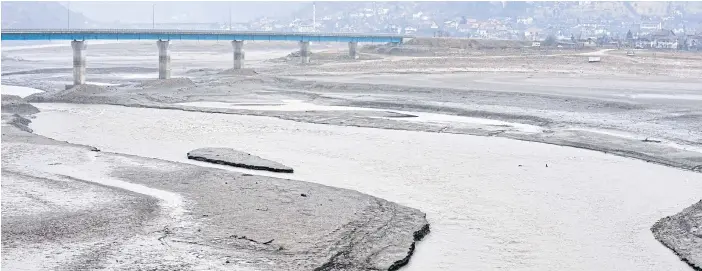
x,y
191,11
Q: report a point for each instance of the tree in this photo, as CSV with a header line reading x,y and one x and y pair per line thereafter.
x,y
550,40
629,36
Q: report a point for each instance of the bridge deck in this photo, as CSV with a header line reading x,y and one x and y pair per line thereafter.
x,y
157,34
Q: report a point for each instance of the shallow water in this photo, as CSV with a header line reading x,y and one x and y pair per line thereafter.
x,y
667,96
19,91
633,136
98,172
492,202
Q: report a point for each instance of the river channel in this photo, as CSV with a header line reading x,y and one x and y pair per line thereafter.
x,y
493,203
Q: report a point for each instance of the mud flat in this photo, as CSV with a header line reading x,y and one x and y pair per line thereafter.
x,y
482,203
16,105
492,202
596,123
637,107
18,91
682,233
68,206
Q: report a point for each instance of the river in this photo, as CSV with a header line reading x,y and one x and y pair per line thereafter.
x,y
493,203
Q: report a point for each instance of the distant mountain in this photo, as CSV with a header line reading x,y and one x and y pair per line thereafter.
x,y
480,10
168,12
41,15
362,16
430,18
109,14
483,10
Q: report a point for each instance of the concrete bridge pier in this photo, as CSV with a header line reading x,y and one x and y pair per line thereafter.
x,y
353,50
305,52
79,47
164,59
238,54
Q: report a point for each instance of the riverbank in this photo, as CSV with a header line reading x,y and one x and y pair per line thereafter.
x,y
608,124
485,197
645,107
625,106
77,207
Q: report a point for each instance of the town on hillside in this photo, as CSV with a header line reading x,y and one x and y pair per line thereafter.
x,y
673,31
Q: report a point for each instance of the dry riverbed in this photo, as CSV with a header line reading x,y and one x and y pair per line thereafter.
x,y
76,207
645,107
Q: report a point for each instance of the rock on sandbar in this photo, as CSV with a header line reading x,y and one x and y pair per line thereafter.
x,y
231,157
682,233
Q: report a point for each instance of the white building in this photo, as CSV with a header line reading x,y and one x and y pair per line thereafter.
x,y
305,28
650,27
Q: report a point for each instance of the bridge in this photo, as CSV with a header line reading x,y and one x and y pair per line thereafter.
x,y
78,38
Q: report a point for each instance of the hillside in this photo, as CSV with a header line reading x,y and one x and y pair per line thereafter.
x,y
40,15
484,10
339,16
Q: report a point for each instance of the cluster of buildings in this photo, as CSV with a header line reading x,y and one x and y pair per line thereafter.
x,y
661,38
565,31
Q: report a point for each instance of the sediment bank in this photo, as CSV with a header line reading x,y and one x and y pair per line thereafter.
x,y
556,131
136,209
641,107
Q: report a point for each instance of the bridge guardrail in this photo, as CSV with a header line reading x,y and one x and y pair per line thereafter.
x,y
195,32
